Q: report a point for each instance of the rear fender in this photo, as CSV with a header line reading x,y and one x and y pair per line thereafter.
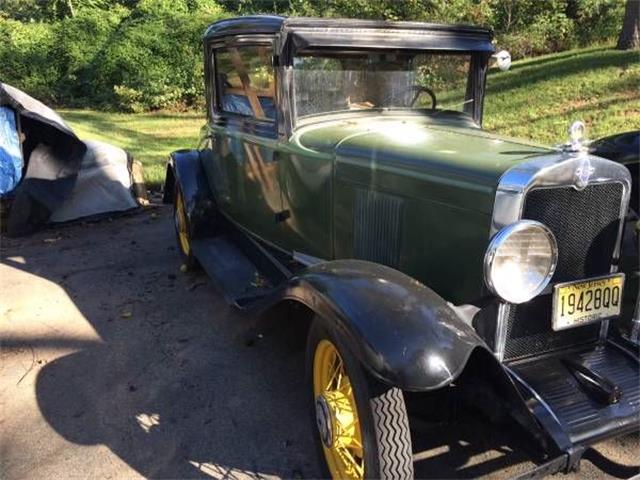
x,y
184,169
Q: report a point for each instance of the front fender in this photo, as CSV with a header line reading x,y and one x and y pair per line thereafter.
x,y
403,333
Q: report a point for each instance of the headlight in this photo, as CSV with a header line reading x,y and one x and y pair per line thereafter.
x,y
520,261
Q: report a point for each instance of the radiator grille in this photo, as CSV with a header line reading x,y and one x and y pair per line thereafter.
x,y
377,227
585,224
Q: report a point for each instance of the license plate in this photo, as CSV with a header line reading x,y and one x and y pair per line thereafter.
x,y
586,301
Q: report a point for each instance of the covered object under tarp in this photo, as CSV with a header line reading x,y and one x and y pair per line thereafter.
x,y
47,174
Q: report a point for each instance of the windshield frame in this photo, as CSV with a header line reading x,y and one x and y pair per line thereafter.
x,y
475,85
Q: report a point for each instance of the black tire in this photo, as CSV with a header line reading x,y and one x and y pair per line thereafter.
x,y
382,413
181,220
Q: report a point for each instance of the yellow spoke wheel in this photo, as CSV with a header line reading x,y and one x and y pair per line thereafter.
x,y
182,226
336,414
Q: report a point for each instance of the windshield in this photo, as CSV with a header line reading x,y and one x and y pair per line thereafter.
x,y
332,82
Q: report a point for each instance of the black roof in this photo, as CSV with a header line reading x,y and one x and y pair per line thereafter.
x,y
248,24
273,24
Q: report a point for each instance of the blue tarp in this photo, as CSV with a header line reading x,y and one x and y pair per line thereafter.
x,y
10,153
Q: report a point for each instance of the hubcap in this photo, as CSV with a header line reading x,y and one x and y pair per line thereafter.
x,y
336,414
323,420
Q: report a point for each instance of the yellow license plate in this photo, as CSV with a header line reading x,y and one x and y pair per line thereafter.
x,y
586,301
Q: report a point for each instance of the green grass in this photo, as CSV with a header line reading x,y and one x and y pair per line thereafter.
x,y
149,137
537,99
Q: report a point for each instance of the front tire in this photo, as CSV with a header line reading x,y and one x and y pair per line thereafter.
x,y
361,426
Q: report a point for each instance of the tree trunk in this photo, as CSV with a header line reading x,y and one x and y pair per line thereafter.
x,y
72,12
630,34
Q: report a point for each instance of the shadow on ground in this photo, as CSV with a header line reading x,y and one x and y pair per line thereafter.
x,y
170,386
166,381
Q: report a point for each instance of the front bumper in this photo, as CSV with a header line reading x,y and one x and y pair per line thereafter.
x,y
572,416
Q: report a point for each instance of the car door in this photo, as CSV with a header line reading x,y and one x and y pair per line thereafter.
x,y
244,135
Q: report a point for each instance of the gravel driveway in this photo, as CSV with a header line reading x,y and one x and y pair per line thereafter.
x,y
114,364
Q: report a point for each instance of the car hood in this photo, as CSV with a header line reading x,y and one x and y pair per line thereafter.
x,y
452,150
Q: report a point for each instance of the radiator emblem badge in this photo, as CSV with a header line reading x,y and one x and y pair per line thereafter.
x,y
583,174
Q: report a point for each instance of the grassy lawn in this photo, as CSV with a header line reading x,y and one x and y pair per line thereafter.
x,y
149,137
537,99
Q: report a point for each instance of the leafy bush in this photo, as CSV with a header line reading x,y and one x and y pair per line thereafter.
x,y
153,63
598,20
27,57
78,41
545,34
147,59
138,55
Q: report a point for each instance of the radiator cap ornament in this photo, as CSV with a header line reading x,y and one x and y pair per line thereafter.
x,y
577,143
577,136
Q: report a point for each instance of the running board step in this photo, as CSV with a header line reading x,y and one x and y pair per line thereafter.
x,y
242,269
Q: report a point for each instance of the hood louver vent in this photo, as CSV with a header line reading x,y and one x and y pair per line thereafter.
x,y
377,227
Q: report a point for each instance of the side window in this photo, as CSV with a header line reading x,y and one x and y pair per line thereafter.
x,y
246,81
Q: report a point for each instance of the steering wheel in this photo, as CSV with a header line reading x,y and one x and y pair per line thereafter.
x,y
419,89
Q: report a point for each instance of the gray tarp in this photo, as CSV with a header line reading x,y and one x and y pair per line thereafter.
x,y
65,178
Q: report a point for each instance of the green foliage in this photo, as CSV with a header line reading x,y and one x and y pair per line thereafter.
x,y
145,59
137,55
52,10
27,57
250,7
547,33
596,20
380,10
154,62
78,41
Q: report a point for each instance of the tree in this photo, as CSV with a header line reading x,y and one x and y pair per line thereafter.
x,y
630,34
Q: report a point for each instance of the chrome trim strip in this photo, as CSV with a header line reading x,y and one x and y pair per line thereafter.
x,y
306,260
553,170
634,335
501,329
557,169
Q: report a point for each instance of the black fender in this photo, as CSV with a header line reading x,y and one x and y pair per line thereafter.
x,y
404,333
184,169
622,148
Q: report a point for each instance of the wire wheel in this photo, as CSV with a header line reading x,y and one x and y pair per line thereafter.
x,y
181,224
336,414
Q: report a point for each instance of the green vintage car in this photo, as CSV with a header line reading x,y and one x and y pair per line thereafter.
x,y
343,181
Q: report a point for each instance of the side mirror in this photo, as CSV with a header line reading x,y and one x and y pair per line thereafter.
x,y
503,60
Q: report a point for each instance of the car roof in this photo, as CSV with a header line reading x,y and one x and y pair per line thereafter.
x,y
266,24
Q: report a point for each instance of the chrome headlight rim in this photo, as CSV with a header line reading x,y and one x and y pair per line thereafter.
x,y
499,239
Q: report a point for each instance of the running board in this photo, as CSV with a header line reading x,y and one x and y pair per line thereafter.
x,y
244,271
